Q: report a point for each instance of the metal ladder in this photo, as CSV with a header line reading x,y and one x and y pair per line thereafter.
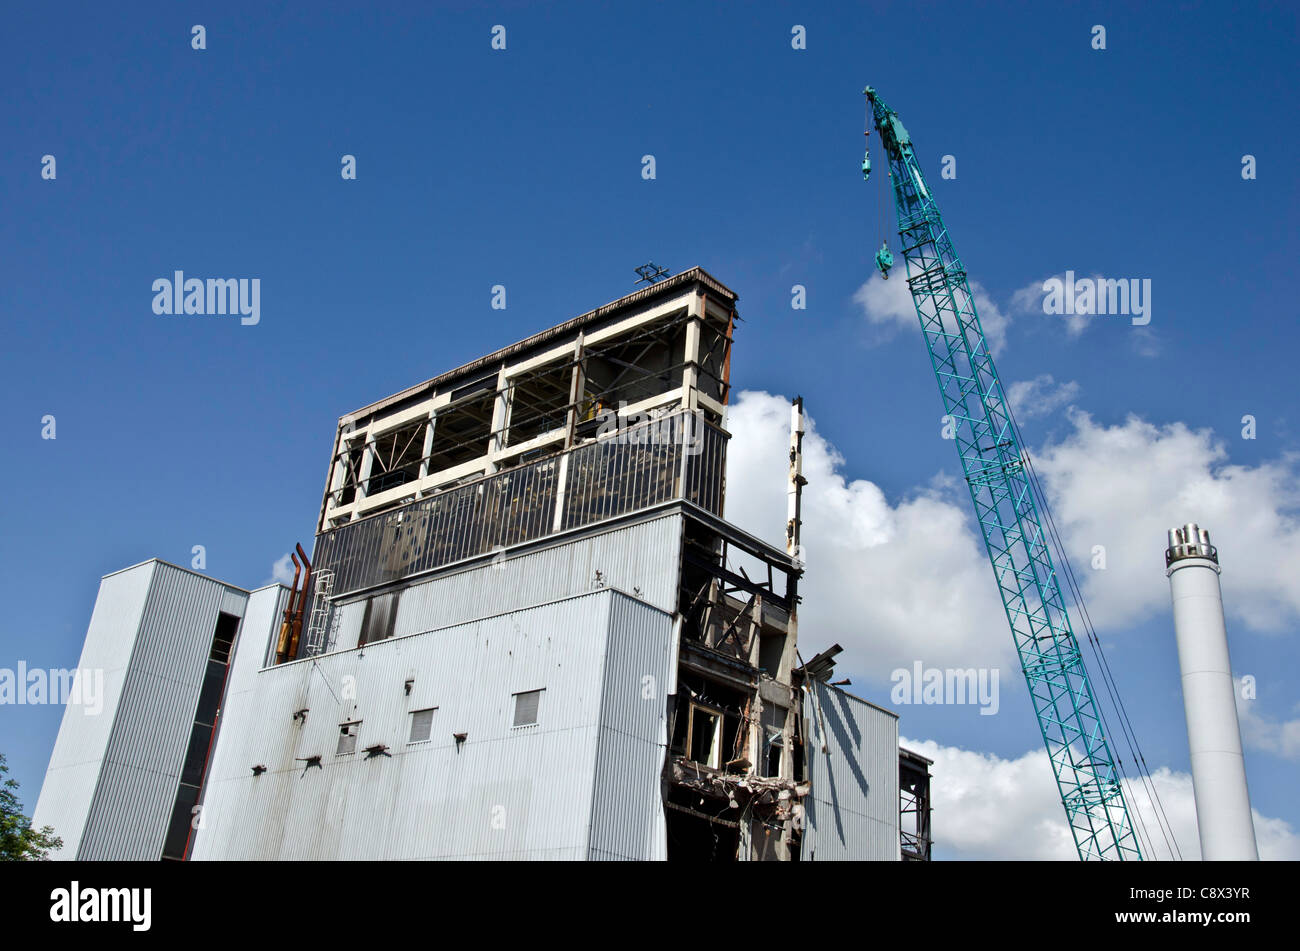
x,y
322,625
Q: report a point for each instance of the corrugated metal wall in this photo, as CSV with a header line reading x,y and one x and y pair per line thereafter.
x,y
73,773
146,749
260,628
506,792
151,632
852,812
627,816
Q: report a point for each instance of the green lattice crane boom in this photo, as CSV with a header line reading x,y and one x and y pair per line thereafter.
x,y
993,463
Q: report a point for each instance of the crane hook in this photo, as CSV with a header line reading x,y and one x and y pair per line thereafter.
x,y
884,260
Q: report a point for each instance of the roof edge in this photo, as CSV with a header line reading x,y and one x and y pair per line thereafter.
x,y
168,564
694,275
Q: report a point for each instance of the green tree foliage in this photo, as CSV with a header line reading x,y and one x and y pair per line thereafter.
x,y
19,842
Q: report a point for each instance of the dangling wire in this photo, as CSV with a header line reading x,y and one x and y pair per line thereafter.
x,y
883,259
886,199
880,214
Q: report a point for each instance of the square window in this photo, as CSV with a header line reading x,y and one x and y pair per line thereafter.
x,y
421,725
526,705
704,736
348,738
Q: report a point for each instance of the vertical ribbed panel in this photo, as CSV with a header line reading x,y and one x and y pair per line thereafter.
x,y
137,786
259,632
78,755
627,811
233,601
644,556
643,466
852,812
506,792
262,630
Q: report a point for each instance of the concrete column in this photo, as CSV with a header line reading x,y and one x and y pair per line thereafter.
x,y
338,476
692,356
424,453
500,419
367,461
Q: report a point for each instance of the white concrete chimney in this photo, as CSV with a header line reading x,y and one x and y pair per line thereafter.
x,y
1223,816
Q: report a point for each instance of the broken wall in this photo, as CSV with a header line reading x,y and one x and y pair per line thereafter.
x,y
852,812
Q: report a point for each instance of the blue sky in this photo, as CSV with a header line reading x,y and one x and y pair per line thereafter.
x,y
522,167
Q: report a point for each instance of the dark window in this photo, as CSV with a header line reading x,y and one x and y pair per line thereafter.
x,y
639,365
461,430
224,638
197,754
214,678
705,747
178,829
350,456
526,705
194,766
539,401
378,621
774,757
397,457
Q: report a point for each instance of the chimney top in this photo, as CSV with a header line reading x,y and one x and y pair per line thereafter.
x,y
1190,541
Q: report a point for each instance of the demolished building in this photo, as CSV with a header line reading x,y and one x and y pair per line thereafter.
x,y
526,630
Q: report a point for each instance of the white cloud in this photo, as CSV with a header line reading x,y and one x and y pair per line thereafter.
x,y
1029,300
282,571
893,578
986,807
1145,342
992,319
893,581
1124,486
888,304
1259,731
1040,396
880,569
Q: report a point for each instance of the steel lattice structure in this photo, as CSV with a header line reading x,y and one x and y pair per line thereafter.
x,y
993,464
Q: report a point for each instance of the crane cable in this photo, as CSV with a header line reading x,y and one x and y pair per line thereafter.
x,y
1108,677
882,218
885,201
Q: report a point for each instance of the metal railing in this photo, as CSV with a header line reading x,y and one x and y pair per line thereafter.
x,y
677,456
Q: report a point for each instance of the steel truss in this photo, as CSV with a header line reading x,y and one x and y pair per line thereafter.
x,y
992,461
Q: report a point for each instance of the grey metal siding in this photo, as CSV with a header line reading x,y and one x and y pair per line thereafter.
x,y
641,559
852,811
259,630
627,820
146,748
77,760
505,792
233,602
